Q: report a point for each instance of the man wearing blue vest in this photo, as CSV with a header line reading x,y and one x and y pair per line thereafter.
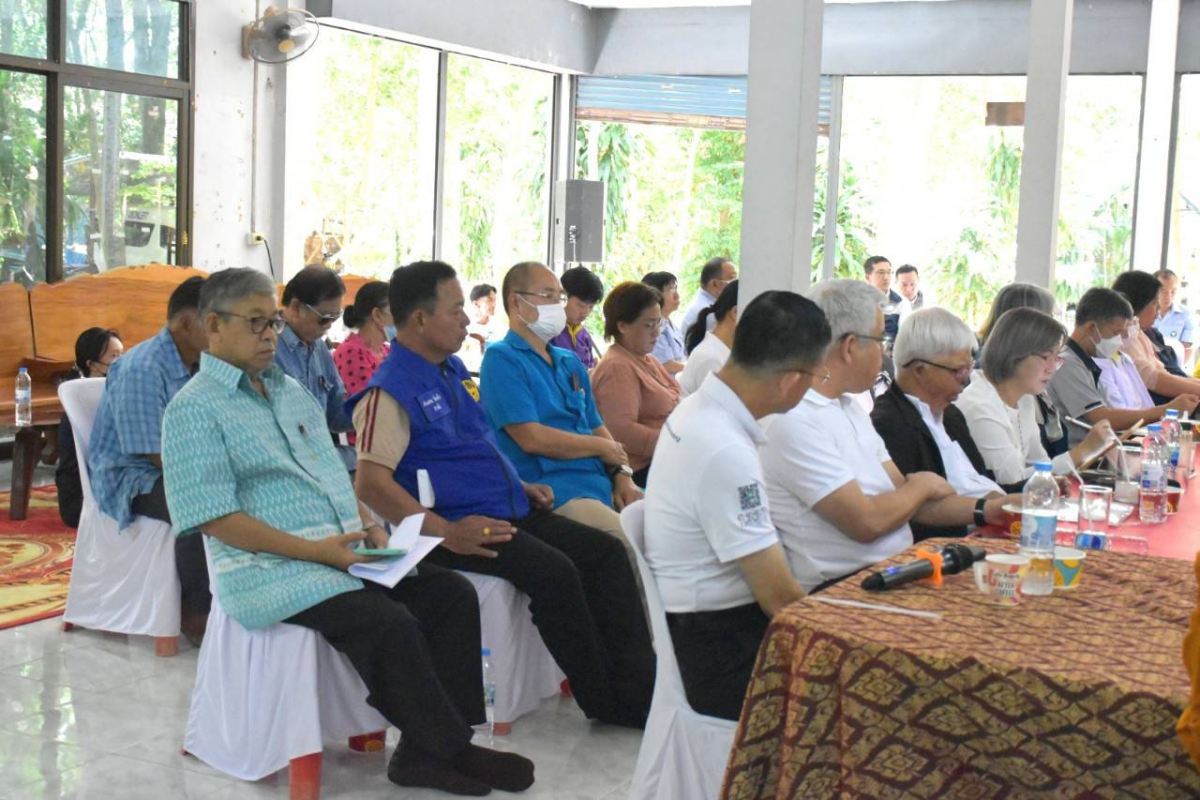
x,y
421,413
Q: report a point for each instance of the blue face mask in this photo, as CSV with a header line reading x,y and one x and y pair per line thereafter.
x,y
390,332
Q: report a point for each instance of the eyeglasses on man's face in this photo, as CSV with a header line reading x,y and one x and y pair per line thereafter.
x,y
260,324
324,319
819,379
962,374
548,296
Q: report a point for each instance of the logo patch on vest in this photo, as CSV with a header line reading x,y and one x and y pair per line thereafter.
x,y
472,389
434,405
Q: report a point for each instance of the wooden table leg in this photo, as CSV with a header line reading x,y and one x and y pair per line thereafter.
x,y
25,456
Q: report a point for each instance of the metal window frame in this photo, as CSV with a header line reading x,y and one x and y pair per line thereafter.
x,y
60,74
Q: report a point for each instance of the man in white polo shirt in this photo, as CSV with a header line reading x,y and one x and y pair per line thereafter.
x,y
709,540
838,501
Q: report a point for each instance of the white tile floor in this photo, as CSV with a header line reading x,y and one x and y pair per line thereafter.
x,y
91,715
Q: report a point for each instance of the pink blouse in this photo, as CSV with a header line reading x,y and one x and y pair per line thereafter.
x,y
356,363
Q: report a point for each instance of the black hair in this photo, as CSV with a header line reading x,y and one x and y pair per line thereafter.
x,y
625,303
1099,304
581,282
414,287
314,284
870,264
371,295
907,268
660,280
1140,288
780,330
90,346
186,297
726,302
481,291
712,268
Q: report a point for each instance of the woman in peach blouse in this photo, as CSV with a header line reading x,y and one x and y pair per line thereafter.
x,y
634,392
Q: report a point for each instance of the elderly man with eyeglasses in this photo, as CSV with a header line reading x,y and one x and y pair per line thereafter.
x,y
838,500
312,302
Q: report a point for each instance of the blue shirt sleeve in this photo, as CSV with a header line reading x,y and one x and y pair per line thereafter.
x,y
197,475
138,400
335,401
593,415
507,394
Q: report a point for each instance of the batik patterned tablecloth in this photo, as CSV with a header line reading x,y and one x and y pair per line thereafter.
x,y
1072,695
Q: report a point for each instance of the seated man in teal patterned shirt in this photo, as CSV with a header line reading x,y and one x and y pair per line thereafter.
x,y
248,460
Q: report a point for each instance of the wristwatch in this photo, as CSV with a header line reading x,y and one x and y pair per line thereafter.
x,y
619,469
980,519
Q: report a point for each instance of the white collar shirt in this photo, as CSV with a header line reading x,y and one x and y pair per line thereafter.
x,y
709,356
812,451
701,301
706,502
960,472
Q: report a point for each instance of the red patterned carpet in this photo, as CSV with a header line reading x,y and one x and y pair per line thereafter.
x,y
35,560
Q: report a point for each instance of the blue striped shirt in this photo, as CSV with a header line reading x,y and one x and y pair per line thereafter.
x,y
229,449
129,424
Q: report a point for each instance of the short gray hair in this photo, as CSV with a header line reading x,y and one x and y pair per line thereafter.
x,y
929,334
228,286
849,305
1017,335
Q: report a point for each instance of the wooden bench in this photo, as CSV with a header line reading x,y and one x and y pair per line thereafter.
x,y
46,321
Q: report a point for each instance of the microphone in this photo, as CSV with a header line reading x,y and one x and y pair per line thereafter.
x,y
955,559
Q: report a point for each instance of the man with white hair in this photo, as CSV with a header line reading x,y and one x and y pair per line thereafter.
x,y
837,499
918,422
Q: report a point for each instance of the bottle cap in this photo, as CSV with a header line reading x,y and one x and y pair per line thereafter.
x,y
22,371
1043,466
1154,427
1172,413
486,652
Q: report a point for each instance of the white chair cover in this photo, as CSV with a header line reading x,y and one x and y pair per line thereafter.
x,y
121,581
524,671
265,697
683,753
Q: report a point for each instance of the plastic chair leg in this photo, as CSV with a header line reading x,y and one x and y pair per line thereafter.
x,y
501,728
565,688
369,742
304,777
67,626
166,646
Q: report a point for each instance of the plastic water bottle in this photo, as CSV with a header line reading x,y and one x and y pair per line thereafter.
x,y
1039,523
1171,431
24,399
1152,503
489,697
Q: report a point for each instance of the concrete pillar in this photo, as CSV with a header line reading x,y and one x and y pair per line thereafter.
x,y
781,145
1041,164
1151,204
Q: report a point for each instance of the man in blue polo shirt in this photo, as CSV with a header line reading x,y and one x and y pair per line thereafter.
x,y
421,414
539,400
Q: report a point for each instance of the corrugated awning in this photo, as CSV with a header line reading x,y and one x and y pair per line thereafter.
x,y
692,100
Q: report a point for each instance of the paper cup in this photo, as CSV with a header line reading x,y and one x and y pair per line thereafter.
x,y
1068,567
1002,576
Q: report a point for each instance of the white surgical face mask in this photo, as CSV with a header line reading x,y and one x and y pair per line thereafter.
x,y
550,322
1107,348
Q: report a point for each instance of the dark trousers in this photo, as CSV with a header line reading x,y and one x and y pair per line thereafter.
x,y
195,595
716,651
416,647
585,604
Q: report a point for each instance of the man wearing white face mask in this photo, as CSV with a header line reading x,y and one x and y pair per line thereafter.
x,y
1076,389
539,400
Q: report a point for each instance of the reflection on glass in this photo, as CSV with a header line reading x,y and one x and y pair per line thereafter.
x,y
1183,247
119,180
1099,169
365,160
23,28
936,186
497,184
22,177
128,35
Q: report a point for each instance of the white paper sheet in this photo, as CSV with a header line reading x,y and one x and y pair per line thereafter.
x,y
405,536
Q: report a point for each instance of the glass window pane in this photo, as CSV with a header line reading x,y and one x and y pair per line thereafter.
x,y
23,27
934,185
128,35
22,177
365,166
119,180
1099,170
1183,247
497,181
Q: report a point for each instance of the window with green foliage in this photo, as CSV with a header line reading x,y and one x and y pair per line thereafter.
x,y
497,166
94,130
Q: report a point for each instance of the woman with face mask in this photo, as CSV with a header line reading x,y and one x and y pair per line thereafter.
x,y
364,350
634,392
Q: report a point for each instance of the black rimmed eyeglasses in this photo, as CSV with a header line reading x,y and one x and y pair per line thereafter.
x,y
259,324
